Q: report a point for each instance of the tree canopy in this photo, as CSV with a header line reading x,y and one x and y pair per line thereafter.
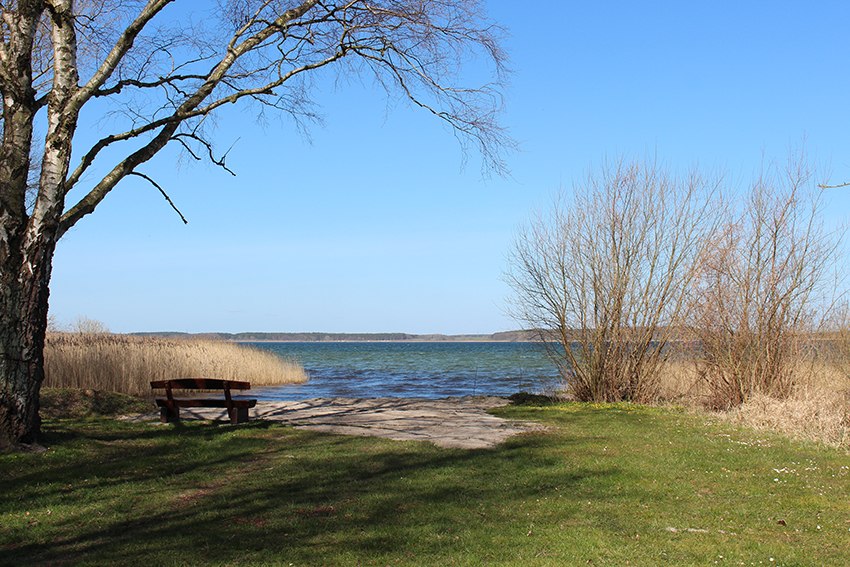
x,y
160,69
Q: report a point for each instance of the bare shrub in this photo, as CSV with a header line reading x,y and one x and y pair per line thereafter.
x,y
86,326
122,363
605,277
761,291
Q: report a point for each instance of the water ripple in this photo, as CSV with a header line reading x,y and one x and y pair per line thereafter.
x,y
422,370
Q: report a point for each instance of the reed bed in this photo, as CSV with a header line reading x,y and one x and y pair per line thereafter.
x,y
122,363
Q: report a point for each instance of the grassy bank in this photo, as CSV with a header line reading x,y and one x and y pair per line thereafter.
x,y
127,364
606,485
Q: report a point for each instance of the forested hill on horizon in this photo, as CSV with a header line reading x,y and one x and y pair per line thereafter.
x,y
504,336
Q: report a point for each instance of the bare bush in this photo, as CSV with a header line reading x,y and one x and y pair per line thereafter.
x,y
605,277
761,291
86,326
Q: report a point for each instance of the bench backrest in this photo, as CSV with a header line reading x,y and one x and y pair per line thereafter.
x,y
200,384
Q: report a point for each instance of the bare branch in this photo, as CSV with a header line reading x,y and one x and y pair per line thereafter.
x,y
207,146
401,42
122,46
120,85
162,191
184,113
188,109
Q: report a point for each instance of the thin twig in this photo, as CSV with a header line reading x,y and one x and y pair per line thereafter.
x,y
164,194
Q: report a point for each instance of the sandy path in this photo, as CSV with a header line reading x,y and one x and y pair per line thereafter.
x,y
448,422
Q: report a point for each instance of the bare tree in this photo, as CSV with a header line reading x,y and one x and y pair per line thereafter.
x,y
763,289
162,76
85,326
605,277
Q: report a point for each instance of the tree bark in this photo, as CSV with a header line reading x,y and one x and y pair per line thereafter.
x,y
24,323
27,241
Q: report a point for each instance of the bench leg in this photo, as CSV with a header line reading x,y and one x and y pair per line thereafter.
x,y
169,415
238,415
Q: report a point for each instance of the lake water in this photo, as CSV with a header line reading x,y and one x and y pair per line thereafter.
x,y
410,369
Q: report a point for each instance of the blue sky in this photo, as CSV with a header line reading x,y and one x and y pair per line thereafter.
x,y
374,224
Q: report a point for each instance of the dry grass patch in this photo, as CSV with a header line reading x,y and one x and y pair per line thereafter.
x,y
813,414
127,364
817,408
679,382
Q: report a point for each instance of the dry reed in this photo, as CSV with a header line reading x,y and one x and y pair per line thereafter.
x,y
814,414
122,363
817,408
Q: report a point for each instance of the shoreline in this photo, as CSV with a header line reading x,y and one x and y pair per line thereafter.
x,y
462,422
388,341
321,336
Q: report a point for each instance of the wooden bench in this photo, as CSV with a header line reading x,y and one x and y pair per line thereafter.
x,y
170,406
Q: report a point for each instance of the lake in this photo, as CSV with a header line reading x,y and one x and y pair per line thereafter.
x,y
412,369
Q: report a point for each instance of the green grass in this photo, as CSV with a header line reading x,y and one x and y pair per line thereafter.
x,y
606,485
78,403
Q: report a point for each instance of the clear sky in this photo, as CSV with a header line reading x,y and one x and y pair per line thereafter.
x,y
374,225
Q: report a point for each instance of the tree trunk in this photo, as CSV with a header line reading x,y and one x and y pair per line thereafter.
x,y
23,272
23,299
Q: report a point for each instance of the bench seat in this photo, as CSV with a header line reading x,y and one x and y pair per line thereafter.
x,y
237,410
203,403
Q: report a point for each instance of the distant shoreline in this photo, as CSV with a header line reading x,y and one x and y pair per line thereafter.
x,y
393,341
316,337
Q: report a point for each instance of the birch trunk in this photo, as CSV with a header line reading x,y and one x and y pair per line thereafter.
x,y
28,238
24,290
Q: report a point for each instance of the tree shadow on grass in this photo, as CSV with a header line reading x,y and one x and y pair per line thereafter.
x,y
268,493
97,457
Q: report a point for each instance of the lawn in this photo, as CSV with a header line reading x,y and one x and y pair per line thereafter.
x,y
605,485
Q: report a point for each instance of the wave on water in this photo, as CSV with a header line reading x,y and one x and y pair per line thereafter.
x,y
420,370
